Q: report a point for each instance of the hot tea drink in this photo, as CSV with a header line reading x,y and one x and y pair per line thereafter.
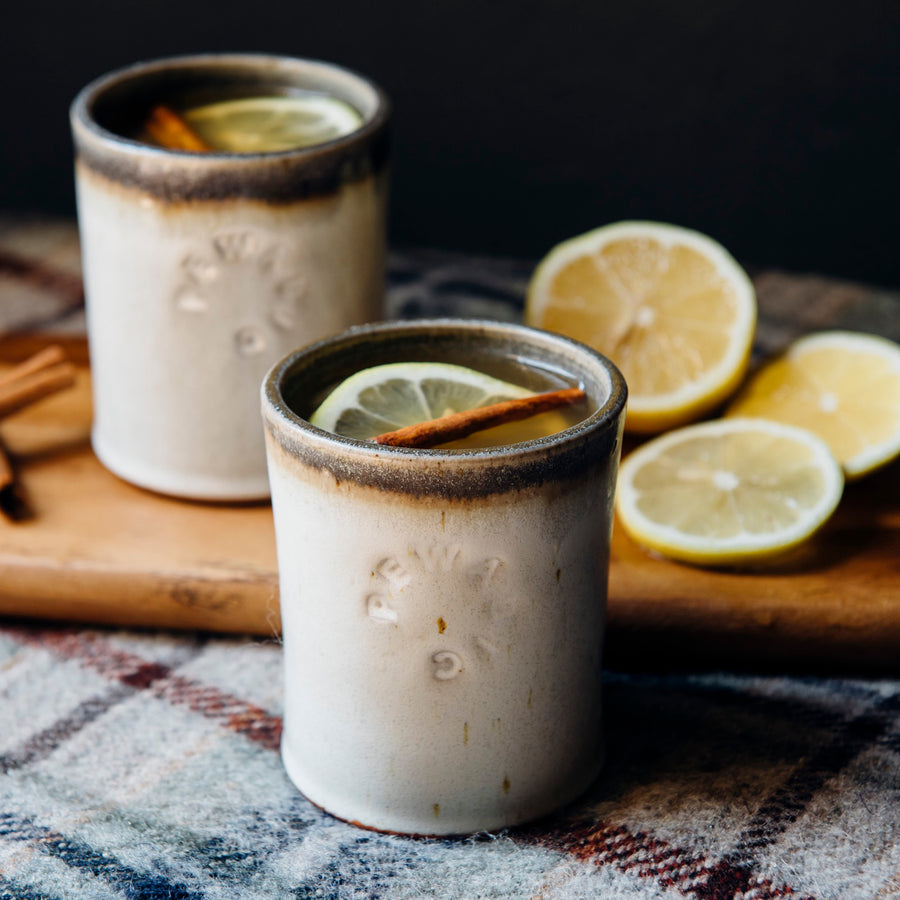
x,y
250,124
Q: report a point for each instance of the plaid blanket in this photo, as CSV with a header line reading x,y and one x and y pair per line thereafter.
x,y
146,766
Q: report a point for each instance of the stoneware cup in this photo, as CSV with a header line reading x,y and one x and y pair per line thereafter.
x,y
202,269
443,611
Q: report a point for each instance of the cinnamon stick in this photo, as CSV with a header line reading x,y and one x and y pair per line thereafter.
x,y
40,375
170,130
13,504
30,385
455,426
7,477
43,359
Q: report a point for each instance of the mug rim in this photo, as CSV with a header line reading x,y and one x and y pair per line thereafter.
x,y
82,115
480,470
277,178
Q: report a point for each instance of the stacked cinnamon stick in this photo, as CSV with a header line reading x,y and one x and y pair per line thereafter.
x,y
169,130
42,374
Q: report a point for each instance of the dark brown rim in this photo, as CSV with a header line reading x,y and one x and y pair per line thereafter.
x,y
464,473
276,177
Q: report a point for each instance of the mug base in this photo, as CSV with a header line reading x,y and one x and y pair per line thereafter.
x,y
183,485
411,825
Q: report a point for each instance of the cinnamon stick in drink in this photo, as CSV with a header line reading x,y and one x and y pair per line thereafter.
x,y
459,425
171,131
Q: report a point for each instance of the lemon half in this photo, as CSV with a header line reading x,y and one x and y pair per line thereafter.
x,y
272,123
844,386
728,491
669,306
384,398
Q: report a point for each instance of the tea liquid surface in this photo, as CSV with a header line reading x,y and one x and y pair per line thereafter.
x,y
269,123
384,398
539,426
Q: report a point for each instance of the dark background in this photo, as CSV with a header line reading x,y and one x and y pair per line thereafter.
x,y
774,127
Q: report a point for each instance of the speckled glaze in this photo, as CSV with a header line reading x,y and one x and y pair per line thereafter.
x,y
201,270
443,611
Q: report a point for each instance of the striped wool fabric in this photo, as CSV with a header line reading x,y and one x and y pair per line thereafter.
x,y
146,766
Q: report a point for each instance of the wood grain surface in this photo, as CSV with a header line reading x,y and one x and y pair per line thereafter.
x,y
98,550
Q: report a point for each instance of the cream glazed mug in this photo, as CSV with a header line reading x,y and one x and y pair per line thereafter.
x,y
202,269
443,611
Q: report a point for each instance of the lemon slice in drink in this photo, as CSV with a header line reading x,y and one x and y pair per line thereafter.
x,y
669,306
385,398
728,491
842,385
273,123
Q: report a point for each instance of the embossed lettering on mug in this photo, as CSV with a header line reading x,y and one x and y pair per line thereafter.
x,y
434,589
447,665
243,263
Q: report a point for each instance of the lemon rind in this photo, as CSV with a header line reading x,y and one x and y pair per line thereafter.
x,y
327,414
653,413
333,113
675,544
876,455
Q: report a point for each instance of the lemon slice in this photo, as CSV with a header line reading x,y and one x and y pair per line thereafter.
x,y
842,385
728,491
669,306
272,123
385,398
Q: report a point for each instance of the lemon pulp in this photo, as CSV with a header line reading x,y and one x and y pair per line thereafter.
x,y
728,491
385,398
272,123
669,306
844,386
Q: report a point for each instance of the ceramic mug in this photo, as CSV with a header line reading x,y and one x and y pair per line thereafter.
x,y
442,611
202,269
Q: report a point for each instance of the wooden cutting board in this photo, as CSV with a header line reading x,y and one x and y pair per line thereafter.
x,y
98,550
